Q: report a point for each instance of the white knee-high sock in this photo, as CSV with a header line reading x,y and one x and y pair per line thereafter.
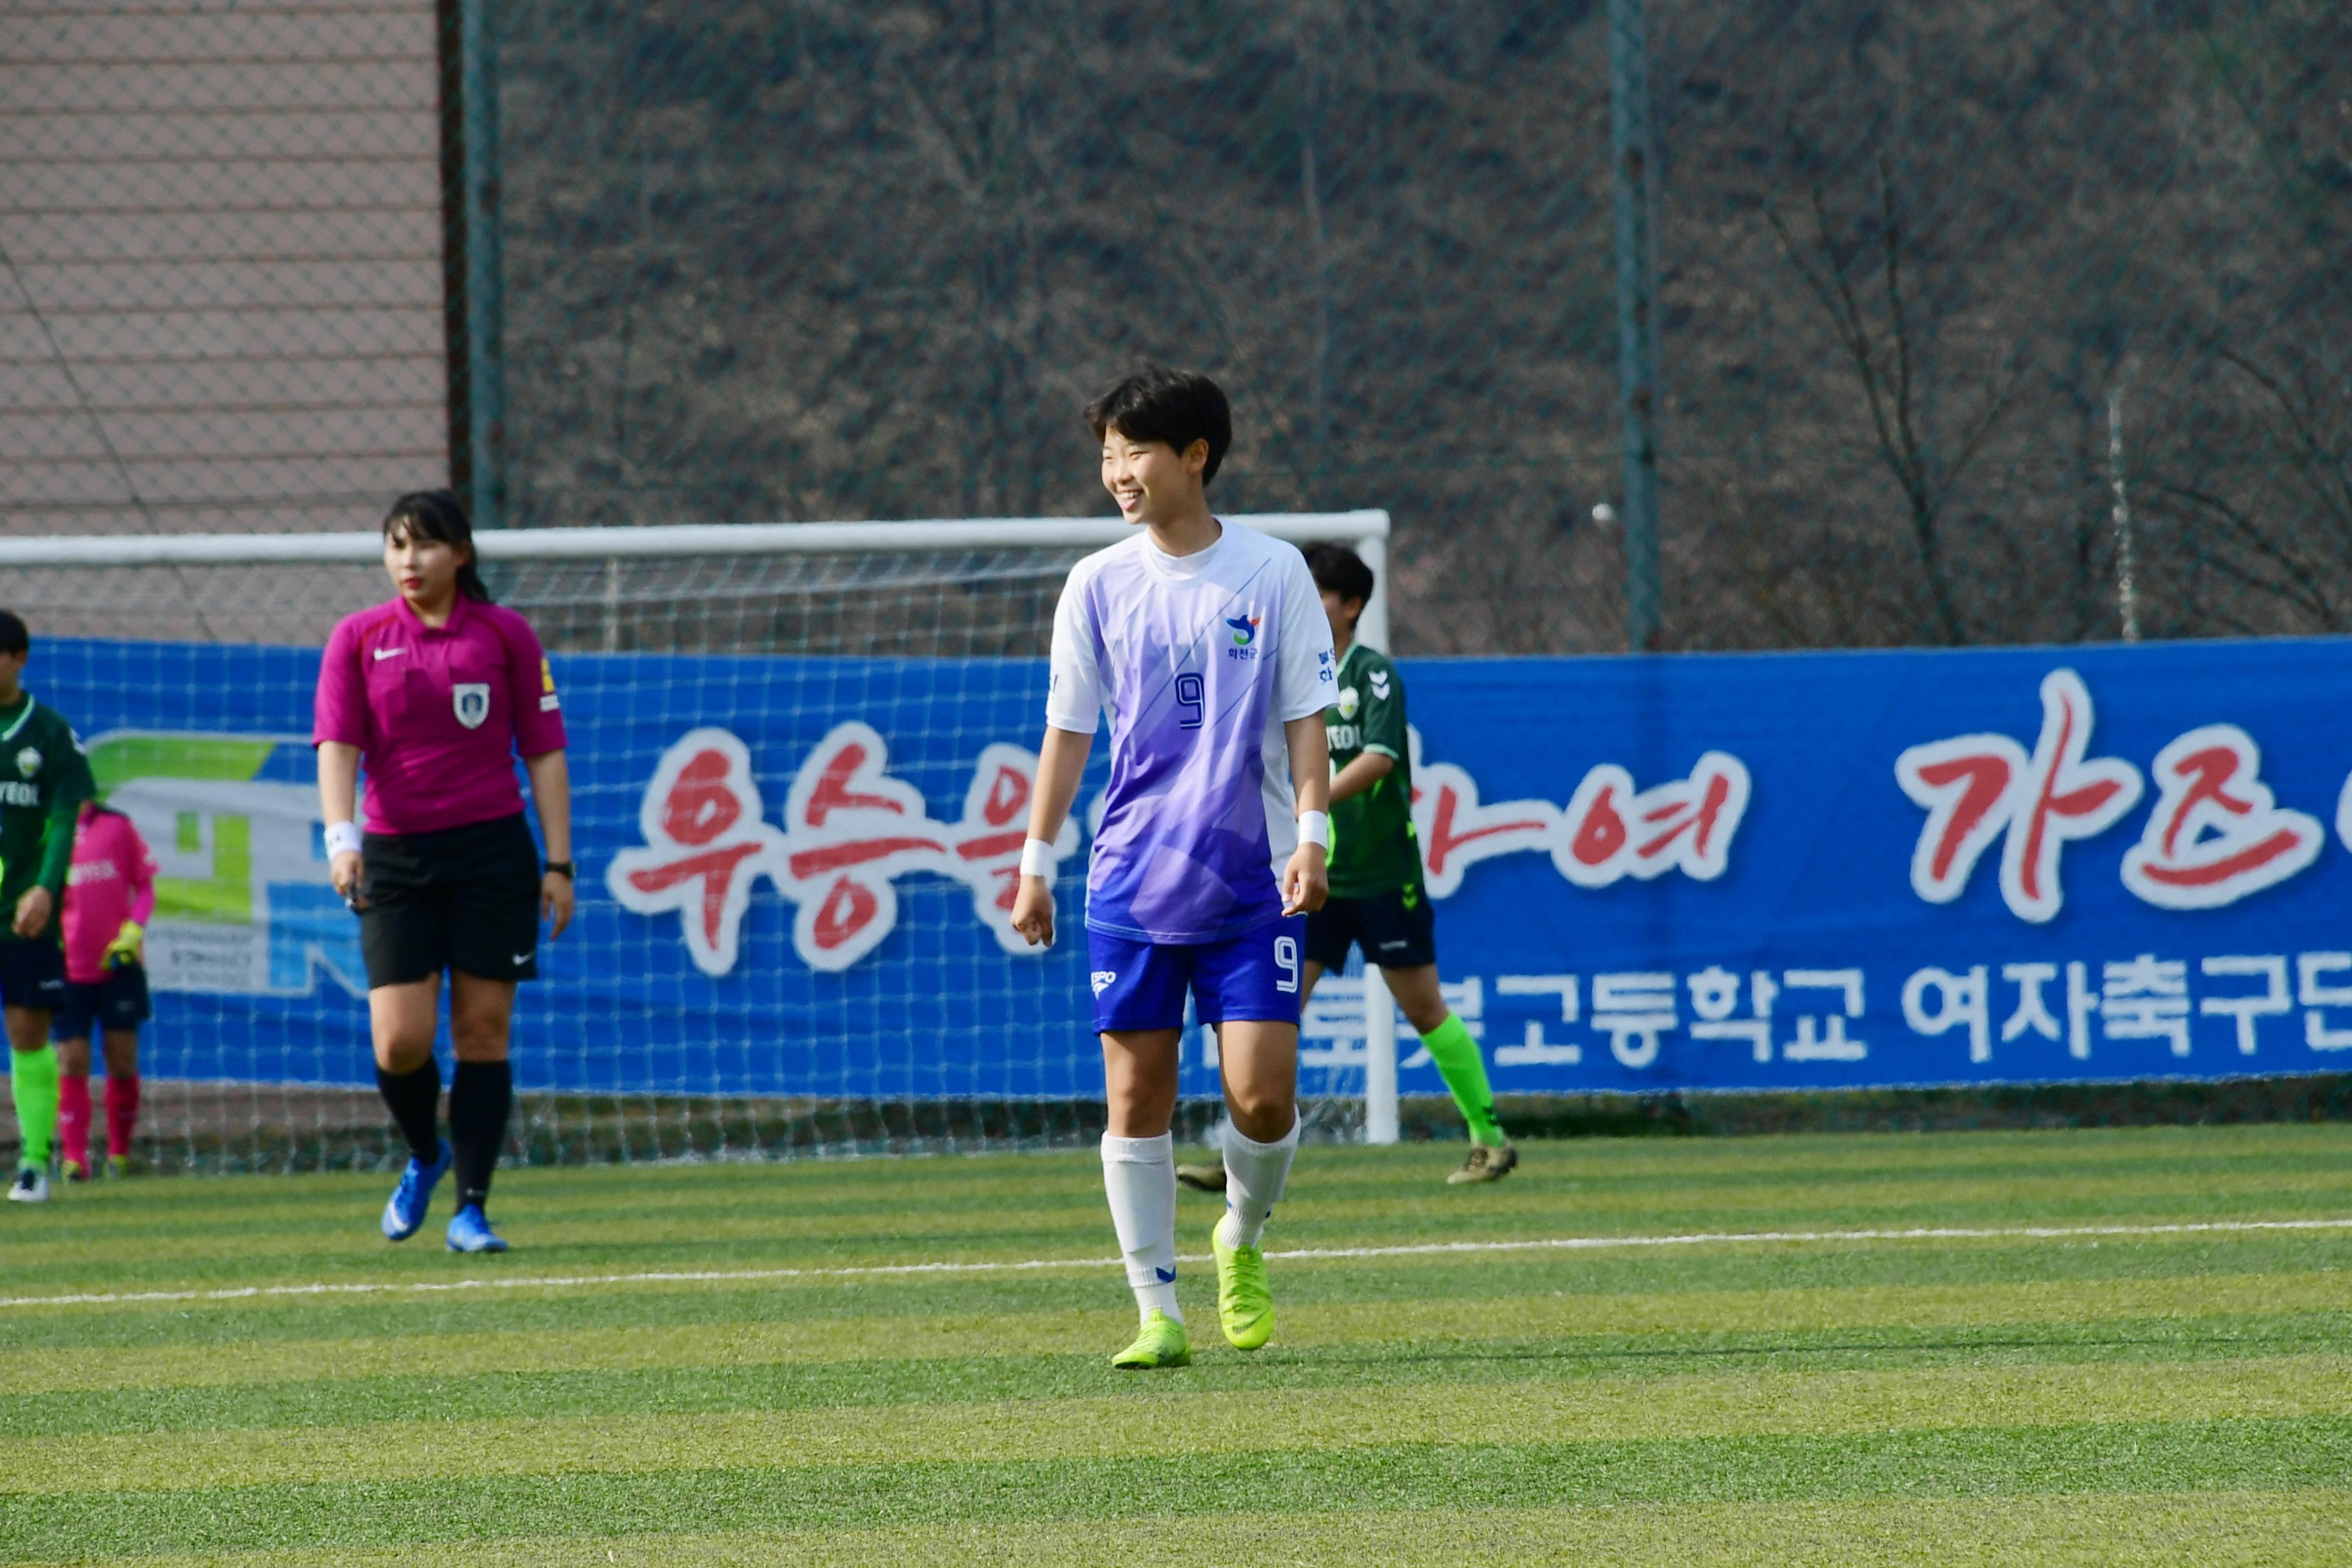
x,y
1139,1174
1254,1175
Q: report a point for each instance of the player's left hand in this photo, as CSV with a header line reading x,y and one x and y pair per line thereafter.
x,y
33,912
1306,881
1033,911
128,947
555,902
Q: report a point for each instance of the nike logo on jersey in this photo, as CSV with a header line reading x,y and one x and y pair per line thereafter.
x,y
1105,979
384,653
522,957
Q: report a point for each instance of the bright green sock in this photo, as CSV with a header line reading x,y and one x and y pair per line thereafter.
x,y
33,1080
1457,1056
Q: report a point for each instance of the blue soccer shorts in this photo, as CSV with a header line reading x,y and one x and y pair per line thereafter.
x,y
1251,977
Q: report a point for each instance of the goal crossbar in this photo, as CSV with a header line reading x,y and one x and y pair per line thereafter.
x,y
1367,530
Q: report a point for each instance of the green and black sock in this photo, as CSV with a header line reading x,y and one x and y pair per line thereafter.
x,y
1459,1064
33,1082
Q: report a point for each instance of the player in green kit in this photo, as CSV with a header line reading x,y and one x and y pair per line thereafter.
x,y
44,779
1377,899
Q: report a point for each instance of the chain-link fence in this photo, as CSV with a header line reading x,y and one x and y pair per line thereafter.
x,y
1971,314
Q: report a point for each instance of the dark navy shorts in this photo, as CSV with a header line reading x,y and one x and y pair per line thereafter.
x,y
113,1004
32,973
1396,929
1251,977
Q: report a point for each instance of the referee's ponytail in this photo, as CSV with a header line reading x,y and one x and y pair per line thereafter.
x,y
439,515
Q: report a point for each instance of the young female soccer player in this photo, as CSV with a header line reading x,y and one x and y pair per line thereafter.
x,y
1378,900
44,779
1207,644
110,894
437,691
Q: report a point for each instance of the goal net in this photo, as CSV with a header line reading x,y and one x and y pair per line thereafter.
x,y
801,756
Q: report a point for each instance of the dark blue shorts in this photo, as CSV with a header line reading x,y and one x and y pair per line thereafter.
x,y
117,1003
32,973
1253,976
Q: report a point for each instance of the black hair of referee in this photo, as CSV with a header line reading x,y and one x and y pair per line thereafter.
x,y
455,899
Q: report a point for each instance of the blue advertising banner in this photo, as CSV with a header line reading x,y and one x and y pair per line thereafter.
x,y
1771,871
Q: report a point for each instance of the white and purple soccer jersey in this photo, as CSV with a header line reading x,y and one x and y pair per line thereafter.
x,y
1199,660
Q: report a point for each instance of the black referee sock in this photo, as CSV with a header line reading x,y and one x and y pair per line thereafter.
x,y
415,1100
480,1096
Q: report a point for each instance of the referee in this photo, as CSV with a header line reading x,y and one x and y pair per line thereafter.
x,y
437,691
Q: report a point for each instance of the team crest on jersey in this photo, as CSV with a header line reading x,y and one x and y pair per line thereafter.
x,y
28,761
1349,702
472,700
1245,630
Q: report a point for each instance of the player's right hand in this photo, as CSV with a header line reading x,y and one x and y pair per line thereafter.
x,y
1033,911
345,871
33,912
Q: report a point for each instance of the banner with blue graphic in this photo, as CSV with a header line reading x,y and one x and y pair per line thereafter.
x,y
1774,871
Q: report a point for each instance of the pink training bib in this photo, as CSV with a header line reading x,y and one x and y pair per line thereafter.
x,y
438,712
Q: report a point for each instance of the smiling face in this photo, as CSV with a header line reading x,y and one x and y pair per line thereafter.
x,y
1151,481
424,570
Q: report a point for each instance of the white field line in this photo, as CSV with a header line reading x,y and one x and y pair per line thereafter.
x,y
1306,1254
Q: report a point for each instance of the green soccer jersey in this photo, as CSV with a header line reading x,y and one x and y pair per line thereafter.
x,y
44,779
1373,847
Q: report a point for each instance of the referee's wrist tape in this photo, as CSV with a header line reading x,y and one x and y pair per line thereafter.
x,y
343,836
1315,828
1038,859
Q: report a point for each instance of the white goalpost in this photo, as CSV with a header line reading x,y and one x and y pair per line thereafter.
x,y
872,660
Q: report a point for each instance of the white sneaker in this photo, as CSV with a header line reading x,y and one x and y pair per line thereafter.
x,y
31,1186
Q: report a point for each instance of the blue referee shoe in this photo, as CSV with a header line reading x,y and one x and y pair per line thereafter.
x,y
404,1214
469,1231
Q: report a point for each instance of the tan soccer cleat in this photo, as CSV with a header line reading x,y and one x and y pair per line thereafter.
x,y
1487,1162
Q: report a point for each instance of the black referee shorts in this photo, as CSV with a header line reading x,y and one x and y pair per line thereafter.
x,y
465,899
1396,929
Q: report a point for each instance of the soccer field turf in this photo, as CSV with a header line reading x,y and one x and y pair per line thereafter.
x,y
2141,1396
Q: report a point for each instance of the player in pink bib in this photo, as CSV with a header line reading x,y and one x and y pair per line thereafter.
x,y
436,693
109,896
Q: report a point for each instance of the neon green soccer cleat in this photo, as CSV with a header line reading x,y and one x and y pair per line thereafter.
x,y
1161,1343
1245,1305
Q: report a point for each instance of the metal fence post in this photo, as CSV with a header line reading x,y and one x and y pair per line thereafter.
x,y
484,263
1637,340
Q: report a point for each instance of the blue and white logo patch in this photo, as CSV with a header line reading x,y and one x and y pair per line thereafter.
x,y
1105,979
472,699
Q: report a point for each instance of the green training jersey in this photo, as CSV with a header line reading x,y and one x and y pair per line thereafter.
x,y
1373,847
44,779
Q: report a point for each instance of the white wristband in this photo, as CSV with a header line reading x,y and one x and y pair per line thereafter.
x,y
1315,828
1038,859
343,836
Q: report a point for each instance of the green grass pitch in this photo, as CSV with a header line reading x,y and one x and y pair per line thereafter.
x,y
2140,1396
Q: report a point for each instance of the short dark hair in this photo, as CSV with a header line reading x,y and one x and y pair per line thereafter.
x,y
440,515
1175,406
14,637
1340,569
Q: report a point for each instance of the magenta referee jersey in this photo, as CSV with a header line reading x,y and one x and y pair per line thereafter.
x,y
438,713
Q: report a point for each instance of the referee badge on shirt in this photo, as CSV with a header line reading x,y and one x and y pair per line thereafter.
x,y
473,702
